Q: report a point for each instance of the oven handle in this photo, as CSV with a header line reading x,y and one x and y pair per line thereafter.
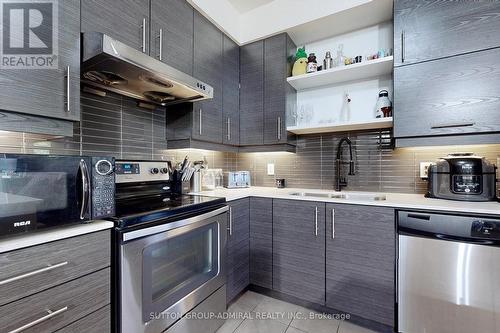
x,y
128,236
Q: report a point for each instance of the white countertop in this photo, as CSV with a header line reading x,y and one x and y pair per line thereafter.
x,y
35,238
396,200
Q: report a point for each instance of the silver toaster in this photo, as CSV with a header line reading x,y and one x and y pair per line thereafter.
x,y
238,179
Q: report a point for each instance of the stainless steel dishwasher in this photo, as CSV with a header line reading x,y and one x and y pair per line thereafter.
x,y
448,273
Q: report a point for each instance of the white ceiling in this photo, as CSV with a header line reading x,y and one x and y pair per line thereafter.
x,y
243,6
250,20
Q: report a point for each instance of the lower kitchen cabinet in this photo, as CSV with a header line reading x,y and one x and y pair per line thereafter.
x,y
68,285
261,242
238,243
96,322
299,249
360,261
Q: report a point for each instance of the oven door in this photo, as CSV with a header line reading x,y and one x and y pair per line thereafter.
x,y
168,269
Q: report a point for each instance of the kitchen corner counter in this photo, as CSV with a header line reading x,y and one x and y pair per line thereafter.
x,y
36,238
396,200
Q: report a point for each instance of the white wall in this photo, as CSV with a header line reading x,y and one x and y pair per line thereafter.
x,y
327,104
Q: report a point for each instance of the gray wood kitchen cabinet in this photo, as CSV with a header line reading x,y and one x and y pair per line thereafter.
x,y
360,261
200,124
265,96
426,30
261,242
71,258
252,94
238,243
172,30
208,65
279,96
61,284
53,93
67,303
125,20
96,322
299,249
448,96
231,93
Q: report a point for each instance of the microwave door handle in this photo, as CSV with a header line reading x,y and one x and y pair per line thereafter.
x,y
85,189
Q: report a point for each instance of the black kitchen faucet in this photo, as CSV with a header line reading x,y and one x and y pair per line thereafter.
x,y
339,183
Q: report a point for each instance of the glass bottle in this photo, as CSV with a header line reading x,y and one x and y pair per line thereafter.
x,y
340,58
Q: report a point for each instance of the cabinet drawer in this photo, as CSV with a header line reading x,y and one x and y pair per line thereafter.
x,y
456,95
96,322
31,270
67,303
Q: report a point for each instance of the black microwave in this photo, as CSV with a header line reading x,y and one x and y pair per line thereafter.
x,y
43,191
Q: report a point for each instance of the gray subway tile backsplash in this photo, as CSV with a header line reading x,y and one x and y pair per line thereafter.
x,y
116,126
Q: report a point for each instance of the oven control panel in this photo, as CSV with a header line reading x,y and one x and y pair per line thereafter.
x,y
141,171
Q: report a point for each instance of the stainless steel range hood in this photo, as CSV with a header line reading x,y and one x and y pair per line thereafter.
x,y
111,65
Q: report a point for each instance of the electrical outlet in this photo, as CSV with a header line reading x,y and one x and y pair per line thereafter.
x,y
270,169
424,169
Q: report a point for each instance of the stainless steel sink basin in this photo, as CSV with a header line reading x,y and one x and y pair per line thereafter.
x,y
346,196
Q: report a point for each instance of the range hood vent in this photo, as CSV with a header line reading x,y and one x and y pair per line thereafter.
x,y
111,65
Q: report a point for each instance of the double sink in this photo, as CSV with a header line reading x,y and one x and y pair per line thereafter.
x,y
344,196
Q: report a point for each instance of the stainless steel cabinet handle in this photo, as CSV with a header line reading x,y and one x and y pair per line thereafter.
x,y
279,128
333,223
228,129
230,221
200,115
402,46
68,99
49,315
160,36
143,35
32,273
452,125
316,222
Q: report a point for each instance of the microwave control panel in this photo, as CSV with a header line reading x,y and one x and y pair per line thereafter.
x,y
103,188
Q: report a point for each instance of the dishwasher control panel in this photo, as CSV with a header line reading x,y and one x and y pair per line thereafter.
x,y
449,227
485,229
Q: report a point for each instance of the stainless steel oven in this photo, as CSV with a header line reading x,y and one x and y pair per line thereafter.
x,y
168,269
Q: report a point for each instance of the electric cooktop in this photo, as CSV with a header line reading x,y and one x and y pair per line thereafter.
x,y
135,212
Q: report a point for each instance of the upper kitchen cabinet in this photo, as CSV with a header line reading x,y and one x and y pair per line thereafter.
x,y
279,96
265,96
252,94
201,124
125,20
426,30
231,93
29,95
208,67
453,96
171,37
